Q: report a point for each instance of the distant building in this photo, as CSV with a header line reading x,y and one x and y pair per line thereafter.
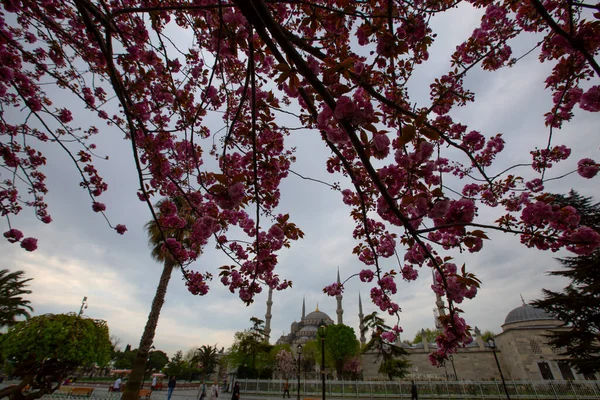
x,y
522,351
521,348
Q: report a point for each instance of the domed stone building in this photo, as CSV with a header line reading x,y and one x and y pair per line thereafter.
x,y
521,348
305,330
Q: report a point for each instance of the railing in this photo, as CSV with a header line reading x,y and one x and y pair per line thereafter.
x,y
528,390
431,389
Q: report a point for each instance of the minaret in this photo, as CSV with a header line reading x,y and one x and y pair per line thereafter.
x,y
361,322
439,310
268,315
340,310
303,310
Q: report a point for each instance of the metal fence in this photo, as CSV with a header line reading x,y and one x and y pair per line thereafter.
x,y
397,389
431,389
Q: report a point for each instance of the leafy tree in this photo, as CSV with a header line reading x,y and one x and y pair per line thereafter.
x,y
45,349
177,365
125,359
578,304
251,352
430,334
207,359
157,360
310,355
340,345
12,303
393,357
412,175
487,335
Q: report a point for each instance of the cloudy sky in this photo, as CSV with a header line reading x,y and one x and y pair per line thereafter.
x,y
79,255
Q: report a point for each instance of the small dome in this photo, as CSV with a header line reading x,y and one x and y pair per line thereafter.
x,y
308,331
526,313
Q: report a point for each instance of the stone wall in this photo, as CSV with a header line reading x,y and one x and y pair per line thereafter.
x,y
469,364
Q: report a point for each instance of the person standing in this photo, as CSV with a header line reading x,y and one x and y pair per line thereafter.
x,y
171,386
414,394
202,391
236,391
286,389
153,384
214,391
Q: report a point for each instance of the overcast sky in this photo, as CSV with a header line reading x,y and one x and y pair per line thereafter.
x,y
79,255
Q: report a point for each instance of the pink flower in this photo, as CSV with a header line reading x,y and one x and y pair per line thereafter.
x,y
366,275
13,235
29,244
585,240
121,229
344,108
587,168
65,116
98,207
474,140
381,143
277,232
334,289
389,336
461,211
196,283
590,100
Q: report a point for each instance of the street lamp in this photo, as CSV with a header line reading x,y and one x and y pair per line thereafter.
x,y
83,306
299,347
492,344
322,328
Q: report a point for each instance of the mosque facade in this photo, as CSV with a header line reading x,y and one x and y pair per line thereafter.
x,y
521,349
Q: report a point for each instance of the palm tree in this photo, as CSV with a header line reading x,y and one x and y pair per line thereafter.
x,y
156,238
12,304
208,357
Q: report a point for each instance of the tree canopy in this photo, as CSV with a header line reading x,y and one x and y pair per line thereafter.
x,y
430,334
414,177
578,304
46,348
250,352
392,356
341,345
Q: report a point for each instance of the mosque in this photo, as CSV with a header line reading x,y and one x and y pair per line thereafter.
x,y
521,348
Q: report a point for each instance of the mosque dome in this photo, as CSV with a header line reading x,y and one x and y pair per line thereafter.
x,y
527,313
317,316
308,330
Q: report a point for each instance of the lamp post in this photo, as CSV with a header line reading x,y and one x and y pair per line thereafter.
x,y
83,306
492,344
322,328
299,347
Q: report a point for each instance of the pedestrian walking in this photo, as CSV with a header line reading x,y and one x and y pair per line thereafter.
x,y
414,393
202,391
171,386
153,384
214,391
286,389
236,391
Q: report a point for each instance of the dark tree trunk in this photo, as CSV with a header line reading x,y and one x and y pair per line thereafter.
x,y
132,390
